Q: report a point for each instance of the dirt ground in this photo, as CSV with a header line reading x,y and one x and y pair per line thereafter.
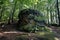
x,y
8,32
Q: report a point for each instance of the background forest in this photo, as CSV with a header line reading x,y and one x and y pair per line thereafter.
x,y
9,9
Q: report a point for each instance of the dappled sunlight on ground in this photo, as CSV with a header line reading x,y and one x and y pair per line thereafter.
x,y
57,38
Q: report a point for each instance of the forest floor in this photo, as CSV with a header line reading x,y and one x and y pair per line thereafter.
x,y
56,31
11,33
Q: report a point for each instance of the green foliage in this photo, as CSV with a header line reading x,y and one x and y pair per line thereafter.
x,y
22,37
46,7
48,35
34,28
40,5
37,36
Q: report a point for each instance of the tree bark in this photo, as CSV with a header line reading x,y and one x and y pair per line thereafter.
x,y
58,11
14,10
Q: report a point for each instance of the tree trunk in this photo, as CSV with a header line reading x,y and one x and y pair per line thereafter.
x,y
14,10
1,13
51,16
47,15
58,11
12,14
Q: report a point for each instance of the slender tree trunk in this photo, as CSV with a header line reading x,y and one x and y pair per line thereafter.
x,y
9,20
14,10
47,15
1,13
58,11
56,16
12,13
51,16
0,16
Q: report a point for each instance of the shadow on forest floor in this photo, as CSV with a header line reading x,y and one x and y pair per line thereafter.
x,y
9,32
